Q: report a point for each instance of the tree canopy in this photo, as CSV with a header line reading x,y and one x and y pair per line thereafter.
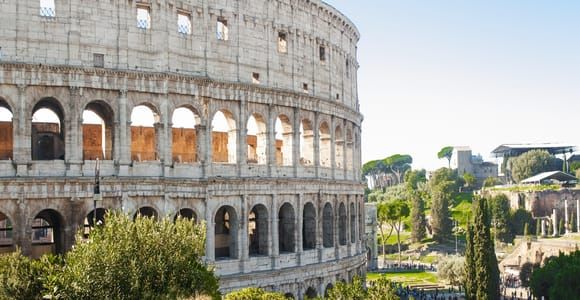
x,y
446,152
558,278
387,171
532,163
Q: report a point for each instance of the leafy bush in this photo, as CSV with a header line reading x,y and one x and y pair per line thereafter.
x,y
558,278
20,277
533,162
381,288
254,294
452,269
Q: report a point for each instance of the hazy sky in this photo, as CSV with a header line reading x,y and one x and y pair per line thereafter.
x,y
478,73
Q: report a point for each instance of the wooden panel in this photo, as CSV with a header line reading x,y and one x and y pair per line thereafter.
x,y
220,146
6,140
143,144
92,142
184,145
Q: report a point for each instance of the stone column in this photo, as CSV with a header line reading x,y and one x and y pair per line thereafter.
x,y
124,130
271,141
22,152
273,247
202,146
567,228
332,129
543,225
210,233
299,225
296,141
554,222
243,249
316,142
73,134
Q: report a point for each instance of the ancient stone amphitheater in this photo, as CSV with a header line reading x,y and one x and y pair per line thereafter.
x,y
242,113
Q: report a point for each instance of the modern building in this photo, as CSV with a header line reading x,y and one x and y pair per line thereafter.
x,y
242,114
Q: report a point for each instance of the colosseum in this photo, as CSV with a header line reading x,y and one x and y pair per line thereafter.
x,y
241,113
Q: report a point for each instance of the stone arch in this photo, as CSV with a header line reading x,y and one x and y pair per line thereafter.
x,y
48,130
224,137
310,293
342,224
89,220
6,130
226,233
186,213
338,147
146,212
286,228
324,144
256,139
352,223
349,149
306,143
327,226
98,131
289,296
284,135
144,119
184,134
329,287
6,234
47,233
309,227
258,230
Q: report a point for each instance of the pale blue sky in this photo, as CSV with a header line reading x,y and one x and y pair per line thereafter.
x,y
466,72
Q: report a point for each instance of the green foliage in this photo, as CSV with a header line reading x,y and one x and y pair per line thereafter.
x,y
558,278
21,278
519,219
381,289
452,269
141,259
443,186
500,216
469,180
484,283
396,211
395,165
446,152
254,294
414,178
526,273
418,221
531,163
490,182
574,167
561,229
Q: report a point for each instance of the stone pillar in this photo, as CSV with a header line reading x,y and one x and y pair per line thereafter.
x,y
202,147
210,233
554,222
271,141
73,134
273,247
124,131
332,148
22,152
543,225
243,249
299,227
567,228
316,142
296,141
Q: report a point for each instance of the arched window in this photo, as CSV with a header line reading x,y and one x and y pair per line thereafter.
x,y
286,228
184,135
342,224
284,135
324,144
327,290
98,131
48,130
186,213
349,150
311,293
6,238
47,233
6,131
143,134
327,226
226,230
224,137
309,227
256,140
338,148
146,212
306,143
352,223
89,222
258,230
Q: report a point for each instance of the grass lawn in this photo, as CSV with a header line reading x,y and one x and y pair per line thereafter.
x,y
407,277
392,240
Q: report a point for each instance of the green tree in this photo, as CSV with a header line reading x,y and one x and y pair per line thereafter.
x,y
561,229
482,260
446,152
21,278
469,180
443,186
526,273
490,182
452,269
397,211
381,289
382,221
399,164
500,216
532,163
470,281
418,221
518,219
558,278
254,294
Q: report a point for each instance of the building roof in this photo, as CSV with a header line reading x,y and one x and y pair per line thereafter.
x,y
517,149
554,175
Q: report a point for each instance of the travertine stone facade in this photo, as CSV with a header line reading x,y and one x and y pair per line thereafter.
x,y
282,197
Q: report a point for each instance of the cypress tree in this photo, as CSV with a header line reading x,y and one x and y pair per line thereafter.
x,y
440,214
469,284
417,217
480,257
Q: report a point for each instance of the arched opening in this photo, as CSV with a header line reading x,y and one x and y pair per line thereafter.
x,y
184,133
98,130
48,130
311,293
324,144
47,233
352,223
327,290
349,150
306,143
6,131
284,134
342,224
338,148
256,140
224,137
289,296
258,230
6,238
143,134
186,213
286,228
89,222
327,226
146,212
226,232
309,227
